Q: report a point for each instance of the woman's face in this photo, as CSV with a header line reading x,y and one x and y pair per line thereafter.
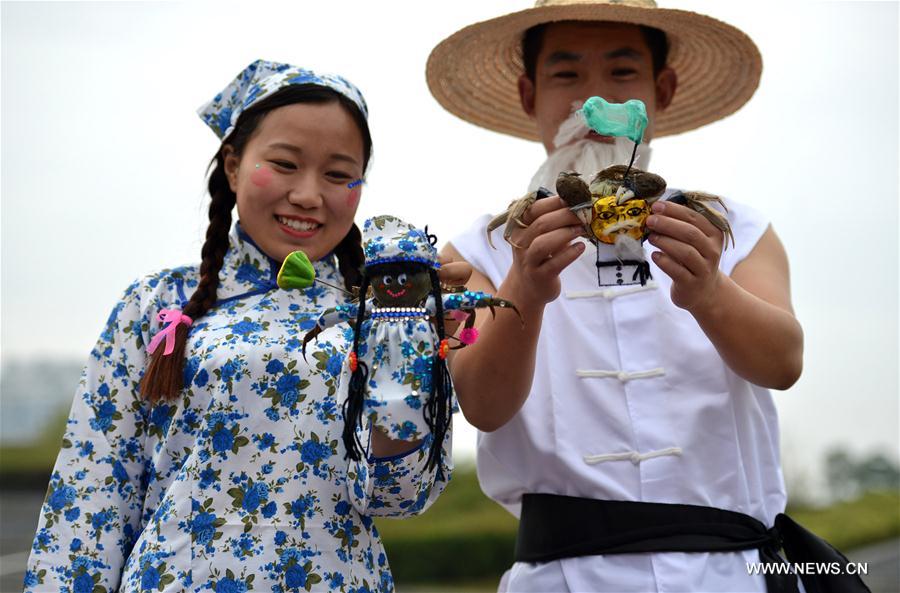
x,y
295,181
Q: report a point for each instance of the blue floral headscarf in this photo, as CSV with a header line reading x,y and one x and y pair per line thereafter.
x,y
388,239
259,80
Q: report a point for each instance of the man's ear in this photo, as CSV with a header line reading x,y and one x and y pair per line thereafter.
x,y
231,166
526,95
666,83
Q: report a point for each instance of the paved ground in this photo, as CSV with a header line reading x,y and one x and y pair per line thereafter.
x,y
19,512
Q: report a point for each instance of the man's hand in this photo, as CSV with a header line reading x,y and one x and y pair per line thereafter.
x,y
453,273
748,316
490,390
689,251
541,252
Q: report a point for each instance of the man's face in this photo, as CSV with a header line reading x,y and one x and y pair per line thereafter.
x,y
582,60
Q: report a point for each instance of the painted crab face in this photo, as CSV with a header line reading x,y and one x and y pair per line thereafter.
x,y
611,220
394,288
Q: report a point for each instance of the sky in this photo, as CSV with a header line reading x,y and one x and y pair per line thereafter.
x,y
103,164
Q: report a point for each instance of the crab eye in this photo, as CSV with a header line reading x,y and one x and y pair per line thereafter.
x,y
634,211
401,279
387,280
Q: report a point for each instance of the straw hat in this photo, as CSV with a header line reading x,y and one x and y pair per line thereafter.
x,y
473,73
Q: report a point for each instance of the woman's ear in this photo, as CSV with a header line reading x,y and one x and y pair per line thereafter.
x,y
231,166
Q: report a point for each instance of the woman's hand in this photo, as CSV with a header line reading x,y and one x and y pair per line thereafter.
x,y
689,251
385,446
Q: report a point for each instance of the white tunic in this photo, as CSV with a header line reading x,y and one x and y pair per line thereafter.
x,y
631,401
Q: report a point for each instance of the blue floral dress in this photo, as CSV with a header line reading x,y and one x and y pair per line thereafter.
x,y
241,484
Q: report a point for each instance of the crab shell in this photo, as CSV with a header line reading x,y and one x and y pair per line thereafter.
x,y
641,184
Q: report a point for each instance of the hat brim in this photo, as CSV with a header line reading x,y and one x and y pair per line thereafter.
x,y
474,72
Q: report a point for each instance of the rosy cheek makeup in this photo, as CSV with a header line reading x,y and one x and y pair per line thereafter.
x,y
353,197
355,191
261,176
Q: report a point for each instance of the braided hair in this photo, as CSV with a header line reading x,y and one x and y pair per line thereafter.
x,y
164,377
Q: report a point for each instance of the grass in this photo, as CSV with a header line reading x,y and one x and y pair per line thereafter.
x,y
33,461
871,518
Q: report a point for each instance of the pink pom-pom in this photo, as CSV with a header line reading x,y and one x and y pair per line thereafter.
x,y
469,335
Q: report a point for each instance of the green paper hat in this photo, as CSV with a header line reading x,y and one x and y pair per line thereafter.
x,y
296,271
627,119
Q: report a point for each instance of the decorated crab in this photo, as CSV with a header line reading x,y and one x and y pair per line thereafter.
x,y
615,205
395,375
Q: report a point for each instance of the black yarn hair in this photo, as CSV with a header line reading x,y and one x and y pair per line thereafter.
x,y
437,411
359,377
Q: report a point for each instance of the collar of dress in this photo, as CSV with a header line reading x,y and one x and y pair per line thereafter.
x,y
247,270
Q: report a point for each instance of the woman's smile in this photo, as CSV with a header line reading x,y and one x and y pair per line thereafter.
x,y
298,227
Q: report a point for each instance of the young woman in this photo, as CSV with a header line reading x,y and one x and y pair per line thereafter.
x,y
202,451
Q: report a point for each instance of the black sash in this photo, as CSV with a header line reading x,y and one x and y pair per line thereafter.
x,y
553,527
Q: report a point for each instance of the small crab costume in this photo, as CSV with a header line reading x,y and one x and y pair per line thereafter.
x,y
397,339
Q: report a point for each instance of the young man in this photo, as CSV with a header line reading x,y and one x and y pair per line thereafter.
x,y
653,395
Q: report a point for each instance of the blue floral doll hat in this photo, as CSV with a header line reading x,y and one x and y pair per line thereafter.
x,y
259,80
388,239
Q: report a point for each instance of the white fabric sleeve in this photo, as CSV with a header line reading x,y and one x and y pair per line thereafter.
x,y
748,225
473,245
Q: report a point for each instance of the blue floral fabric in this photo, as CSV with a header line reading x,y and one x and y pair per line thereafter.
x,y
261,79
388,239
239,485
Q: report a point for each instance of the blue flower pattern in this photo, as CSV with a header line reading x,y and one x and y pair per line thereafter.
x,y
240,484
260,79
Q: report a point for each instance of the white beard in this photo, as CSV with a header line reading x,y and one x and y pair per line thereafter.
x,y
574,152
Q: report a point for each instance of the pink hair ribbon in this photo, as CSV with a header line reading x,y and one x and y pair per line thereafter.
x,y
173,317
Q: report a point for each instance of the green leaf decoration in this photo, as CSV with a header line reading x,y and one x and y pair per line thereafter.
x,y
627,119
296,271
